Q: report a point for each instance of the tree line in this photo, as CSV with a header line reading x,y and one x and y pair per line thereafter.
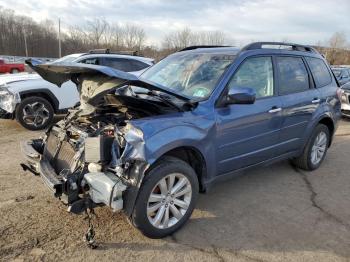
x,y
22,36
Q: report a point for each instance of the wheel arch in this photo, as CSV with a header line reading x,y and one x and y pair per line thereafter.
x,y
43,93
15,68
329,123
191,156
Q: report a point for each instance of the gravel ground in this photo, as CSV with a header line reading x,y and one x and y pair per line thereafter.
x,y
276,213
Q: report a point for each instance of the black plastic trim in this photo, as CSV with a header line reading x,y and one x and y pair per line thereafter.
x,y
34,92
295,47
6,115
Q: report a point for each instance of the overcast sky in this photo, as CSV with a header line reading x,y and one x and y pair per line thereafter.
x,y
302,21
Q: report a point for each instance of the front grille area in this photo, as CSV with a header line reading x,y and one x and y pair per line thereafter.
x,y
51,146
65,156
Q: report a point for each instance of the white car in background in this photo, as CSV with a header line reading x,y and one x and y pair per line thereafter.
x,y
33,102
345,101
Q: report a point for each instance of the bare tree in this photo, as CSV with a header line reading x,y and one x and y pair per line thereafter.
x,y
178,39
337,43
186,37
114,37
97,28
209,38
134,36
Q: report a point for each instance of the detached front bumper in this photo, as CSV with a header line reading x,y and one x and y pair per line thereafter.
x,y
345,109
77,192
6,115
345,104
39,166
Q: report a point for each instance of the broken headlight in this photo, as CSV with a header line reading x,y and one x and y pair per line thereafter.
x,y
8,100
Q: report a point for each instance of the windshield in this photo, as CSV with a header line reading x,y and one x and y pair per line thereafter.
x,y
336,72
193,75
67,58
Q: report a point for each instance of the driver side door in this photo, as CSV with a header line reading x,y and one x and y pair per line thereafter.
x,y
249,134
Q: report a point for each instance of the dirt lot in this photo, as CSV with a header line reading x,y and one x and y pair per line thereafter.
x,y
271,214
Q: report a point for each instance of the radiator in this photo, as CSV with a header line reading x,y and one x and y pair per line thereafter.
x,y
65,156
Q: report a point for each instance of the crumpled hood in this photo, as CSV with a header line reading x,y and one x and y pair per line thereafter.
x,y
93,81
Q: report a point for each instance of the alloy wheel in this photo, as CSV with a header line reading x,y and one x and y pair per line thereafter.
x,y
169,201
319,148
35,114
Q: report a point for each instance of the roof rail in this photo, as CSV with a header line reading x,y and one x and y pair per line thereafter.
x,y
108,51
295,47
201,46
100,51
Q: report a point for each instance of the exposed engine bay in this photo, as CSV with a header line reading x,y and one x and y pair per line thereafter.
x,y
91,152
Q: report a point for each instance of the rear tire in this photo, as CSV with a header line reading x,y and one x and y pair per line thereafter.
x,y
34,113
14,71
174,209
315,150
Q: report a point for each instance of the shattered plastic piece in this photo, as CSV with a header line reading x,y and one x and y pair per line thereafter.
x,y
8,100
90,234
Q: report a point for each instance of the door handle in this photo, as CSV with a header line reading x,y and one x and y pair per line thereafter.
x,y
275,110
316,101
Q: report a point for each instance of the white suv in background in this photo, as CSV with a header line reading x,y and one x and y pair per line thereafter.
x,y
32,101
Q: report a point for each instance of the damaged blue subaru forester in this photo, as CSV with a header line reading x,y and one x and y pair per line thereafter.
x,y
148,145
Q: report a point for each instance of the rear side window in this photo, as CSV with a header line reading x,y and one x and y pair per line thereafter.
x,y
320,71
293,76
124,64
90,61
117,63
137,65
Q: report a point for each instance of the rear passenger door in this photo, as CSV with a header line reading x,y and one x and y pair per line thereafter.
x,y
299,100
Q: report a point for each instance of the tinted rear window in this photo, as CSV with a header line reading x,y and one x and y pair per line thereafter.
x,y
320,71
117,63
137,65
293,76
124,64
90,61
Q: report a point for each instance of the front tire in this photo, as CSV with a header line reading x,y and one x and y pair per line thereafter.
x,y
14,71
166,198
34,113
315,150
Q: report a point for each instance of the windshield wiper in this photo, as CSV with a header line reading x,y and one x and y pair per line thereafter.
x,y
163,98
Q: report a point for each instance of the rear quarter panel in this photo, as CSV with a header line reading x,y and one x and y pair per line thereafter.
x,y
329,108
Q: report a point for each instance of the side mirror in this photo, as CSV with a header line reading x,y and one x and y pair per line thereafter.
x,y
241,95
